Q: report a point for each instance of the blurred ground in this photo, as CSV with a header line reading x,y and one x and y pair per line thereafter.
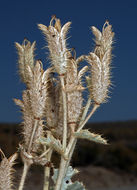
x,y
94,178
112,167
100,178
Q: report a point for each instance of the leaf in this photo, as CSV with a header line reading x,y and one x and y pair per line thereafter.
x,y
54,144
76,186
67,179
85,134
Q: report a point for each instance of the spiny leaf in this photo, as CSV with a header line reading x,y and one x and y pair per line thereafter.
x,y
53,143
85,134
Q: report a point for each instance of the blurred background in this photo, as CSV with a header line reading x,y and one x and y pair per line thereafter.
x,y
102,166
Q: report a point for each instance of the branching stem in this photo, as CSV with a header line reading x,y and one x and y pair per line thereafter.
x,y
85,110
32,135
88,117
73,140
26,166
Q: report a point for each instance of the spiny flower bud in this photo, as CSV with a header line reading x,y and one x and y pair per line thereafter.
x,y
100,79
38,89
103,40
74,90
6,171
25,58
100,61
56,38
28,122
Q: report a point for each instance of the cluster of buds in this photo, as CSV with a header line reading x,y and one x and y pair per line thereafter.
x,y
33,103
52,104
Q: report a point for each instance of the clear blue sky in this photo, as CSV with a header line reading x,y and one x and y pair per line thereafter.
x,y
19,19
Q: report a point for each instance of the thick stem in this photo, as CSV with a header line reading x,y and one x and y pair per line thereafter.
x,y
23,177
26,166
64,166
62,171
32,135
47,172
63,162
64,142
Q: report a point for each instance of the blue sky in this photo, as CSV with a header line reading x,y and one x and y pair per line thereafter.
x,y
19,19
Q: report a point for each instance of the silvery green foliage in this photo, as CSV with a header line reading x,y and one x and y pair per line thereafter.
x,y
85,134
76,186
53,143
67,183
